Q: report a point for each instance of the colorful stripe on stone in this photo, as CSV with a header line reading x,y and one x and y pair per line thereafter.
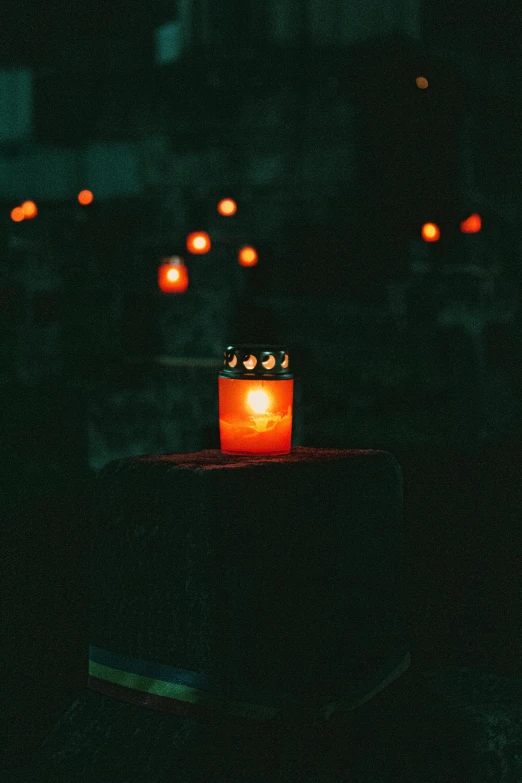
x,y
169,689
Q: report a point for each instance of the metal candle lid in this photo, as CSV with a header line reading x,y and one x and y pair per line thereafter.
x,y
256,361
178,260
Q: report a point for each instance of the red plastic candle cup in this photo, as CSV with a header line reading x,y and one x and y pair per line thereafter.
x,y
256,393
173,276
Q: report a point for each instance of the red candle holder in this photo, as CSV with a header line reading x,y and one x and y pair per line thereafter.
x,y
256,393
173,276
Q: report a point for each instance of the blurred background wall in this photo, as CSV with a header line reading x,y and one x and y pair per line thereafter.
x,y
308,115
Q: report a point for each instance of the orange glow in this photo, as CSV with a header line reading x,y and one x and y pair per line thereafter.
x,y
421,82
173,277
471,225
85,197
255,416
17,214
430,232
198,242
248,256
258,401
227,206
30,209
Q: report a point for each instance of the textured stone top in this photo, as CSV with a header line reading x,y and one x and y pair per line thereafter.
x,y
212,459
291,565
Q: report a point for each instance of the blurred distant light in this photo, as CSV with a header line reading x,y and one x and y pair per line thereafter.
x,y
421,82
85,197
17,214
173,276
30,209
430,232
471,225
227,206
248,256
198,242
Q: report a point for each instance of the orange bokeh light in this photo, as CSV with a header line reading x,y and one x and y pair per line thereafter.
x,y
471,225
430,232
17,214
173,277
85,197
198,242
30,209
248,256
227,206
421,82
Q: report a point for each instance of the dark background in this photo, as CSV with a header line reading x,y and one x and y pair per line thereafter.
x,y
313,122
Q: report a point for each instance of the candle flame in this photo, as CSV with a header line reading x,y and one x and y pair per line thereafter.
x,y
258,401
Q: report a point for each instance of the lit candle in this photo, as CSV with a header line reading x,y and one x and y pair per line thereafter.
x,y
255,400
173,276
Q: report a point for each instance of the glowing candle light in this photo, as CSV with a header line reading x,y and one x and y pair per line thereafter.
x,y
471,225
255,400
227,206
430,232
247,256
30,209
173,276
198,242
258,401
17,214
85,197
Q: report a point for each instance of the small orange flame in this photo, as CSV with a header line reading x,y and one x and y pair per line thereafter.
x,y
258,400
173,275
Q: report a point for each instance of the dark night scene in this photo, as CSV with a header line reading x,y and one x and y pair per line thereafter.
x,y
261,391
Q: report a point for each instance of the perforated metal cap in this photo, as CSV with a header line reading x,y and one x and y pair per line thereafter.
x,y
256,361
